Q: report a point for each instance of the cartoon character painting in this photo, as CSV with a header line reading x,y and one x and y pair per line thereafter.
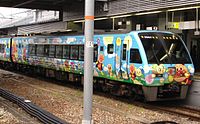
x,y
182,75
24,51
132,72
109,66
158,69
99,63
14,51
67,66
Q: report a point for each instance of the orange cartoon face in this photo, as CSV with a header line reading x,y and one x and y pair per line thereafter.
x,y
181,69
101,58
181,73
132,68
99,63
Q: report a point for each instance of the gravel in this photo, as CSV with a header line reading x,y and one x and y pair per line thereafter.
x,y
7,118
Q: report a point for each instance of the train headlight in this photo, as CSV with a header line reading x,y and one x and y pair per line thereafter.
x,y
146,69
191,69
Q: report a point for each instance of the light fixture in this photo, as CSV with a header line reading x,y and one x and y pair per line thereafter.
x,y
121,16
185,8
146,13
96,19
78,21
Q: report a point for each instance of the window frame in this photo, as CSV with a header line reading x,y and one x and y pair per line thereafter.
x,y
69,48
134,60
30,51
110,48
46,54
71,52
60,56
79,53
2,48
124,51
50,46
41,54
95,57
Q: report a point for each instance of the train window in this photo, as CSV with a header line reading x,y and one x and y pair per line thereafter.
x,y
40,50
95,53
74,52
20,45
46,50
66,52
124,52
110,49
52,51
17,45
31,49
101,48
81,52
59,51
2,48
135,56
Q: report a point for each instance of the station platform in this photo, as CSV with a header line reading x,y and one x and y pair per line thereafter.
x,y
197,76
194,91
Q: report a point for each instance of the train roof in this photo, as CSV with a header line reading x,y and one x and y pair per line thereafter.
x,y
96,32
153,31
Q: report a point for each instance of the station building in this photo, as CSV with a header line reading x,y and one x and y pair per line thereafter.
x,y
178,16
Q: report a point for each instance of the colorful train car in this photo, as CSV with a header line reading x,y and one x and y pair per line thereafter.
x,y
153,64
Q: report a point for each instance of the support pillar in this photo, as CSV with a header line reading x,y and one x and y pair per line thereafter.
x,y
88,61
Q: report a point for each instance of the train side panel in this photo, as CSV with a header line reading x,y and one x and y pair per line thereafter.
x,y
20,50
108,64
5,49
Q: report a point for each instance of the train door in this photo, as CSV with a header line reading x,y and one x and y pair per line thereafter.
x,y
118,57
124,61
111,59
121,59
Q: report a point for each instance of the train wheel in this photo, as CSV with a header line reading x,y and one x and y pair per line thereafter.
x,y
134,93
134,97
104,88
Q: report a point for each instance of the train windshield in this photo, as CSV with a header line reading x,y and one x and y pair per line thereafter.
x,y
164,48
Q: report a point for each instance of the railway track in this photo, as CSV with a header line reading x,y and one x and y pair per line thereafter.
x,y
15,111
30,108
188,112
193,114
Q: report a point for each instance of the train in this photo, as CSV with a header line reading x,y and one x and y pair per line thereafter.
x,y
153,64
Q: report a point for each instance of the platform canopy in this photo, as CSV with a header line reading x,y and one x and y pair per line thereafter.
x,y
38,4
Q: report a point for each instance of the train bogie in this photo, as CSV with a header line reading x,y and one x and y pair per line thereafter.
x,y
154,93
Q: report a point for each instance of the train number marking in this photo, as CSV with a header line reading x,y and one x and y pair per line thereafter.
x,y
89,44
